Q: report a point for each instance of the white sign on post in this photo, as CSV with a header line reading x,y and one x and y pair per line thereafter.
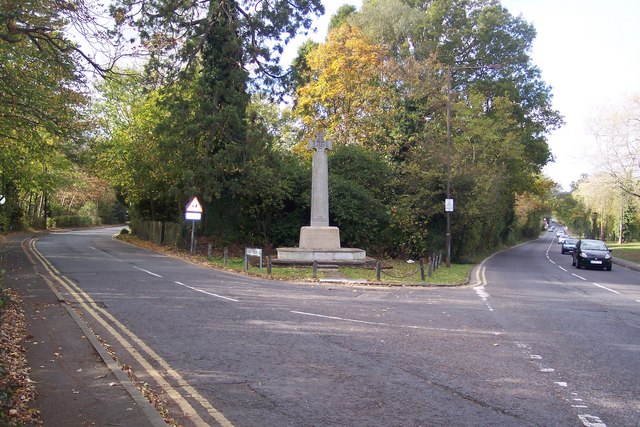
x,y
193,212
448,205
194,206
2,199
193,216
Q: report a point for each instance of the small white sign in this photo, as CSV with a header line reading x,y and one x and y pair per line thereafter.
x,y
448,205
253,251
2,199
194,216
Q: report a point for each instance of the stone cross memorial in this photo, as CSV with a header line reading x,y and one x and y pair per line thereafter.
x,y
319,234
319,181
319,241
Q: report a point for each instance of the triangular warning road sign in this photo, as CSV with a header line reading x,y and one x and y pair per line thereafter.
x,y
194,206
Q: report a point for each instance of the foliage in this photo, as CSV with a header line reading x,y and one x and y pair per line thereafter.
x,y
42,115
573,213
359,191
617,210
531,206
174,33
345,96
617,132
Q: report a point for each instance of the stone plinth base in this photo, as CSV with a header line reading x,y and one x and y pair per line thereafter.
x,y
314,237
337,256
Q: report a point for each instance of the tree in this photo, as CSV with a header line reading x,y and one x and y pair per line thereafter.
x,y
617,133
360,189
345,95
174,33
57,30
40,112
616,209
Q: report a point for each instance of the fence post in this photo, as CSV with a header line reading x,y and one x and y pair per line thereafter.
x,y
209,250
429,266
225,255
269,264
378,271
246,261
315,269
422,270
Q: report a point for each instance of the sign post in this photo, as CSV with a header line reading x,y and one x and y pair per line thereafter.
x,y
193,212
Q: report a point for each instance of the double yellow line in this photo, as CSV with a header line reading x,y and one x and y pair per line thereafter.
x,y
128,340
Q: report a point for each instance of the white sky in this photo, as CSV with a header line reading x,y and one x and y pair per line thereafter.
x,y
588,52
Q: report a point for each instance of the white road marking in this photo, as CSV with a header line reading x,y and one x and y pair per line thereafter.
x,y
482,293
607,289
547,370
561,383
117,329
147,271
579,277
365,322
206,293
563,269
591,421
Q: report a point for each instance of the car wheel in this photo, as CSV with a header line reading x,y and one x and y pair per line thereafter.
x,y
609,268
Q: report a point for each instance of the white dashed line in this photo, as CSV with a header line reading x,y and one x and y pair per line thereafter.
x,y
366,322
579,277
147,271
607,289
591,421
206,293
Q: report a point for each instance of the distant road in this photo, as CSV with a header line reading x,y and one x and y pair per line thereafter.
x,y
531,340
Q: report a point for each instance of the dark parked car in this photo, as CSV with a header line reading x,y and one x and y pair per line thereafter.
x,y
592,253
569,245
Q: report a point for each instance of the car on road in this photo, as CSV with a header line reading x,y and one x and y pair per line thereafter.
x,y
568,246
592,253
562,238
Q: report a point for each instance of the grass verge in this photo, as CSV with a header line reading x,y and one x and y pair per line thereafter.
x,y
628,251
395,272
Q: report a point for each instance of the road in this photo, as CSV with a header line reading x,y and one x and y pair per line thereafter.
x,y
531,341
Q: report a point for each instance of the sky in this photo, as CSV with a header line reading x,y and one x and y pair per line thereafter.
x,y
588,51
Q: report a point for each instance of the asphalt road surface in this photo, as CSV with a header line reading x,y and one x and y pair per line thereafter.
x,y
531,341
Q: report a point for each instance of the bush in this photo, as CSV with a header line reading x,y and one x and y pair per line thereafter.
x,y
73,221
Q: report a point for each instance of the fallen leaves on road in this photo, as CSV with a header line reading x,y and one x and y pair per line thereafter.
x,y
17,390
